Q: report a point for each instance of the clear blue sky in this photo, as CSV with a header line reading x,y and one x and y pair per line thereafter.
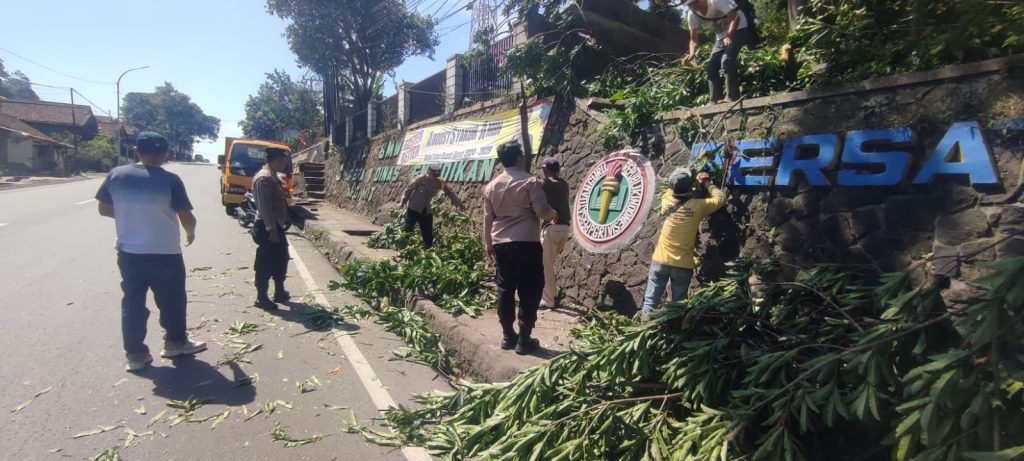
x,y
217,52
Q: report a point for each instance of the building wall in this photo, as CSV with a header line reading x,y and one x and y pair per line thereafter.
x,y
20,150
954,224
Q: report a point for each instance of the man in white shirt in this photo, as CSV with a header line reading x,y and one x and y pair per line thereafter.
x,y
732,33
148,203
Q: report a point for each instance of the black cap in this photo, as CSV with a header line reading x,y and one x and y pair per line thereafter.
x,y
681,182
274,153
148,142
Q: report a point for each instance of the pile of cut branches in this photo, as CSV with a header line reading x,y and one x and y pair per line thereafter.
x,y
450,273
835,365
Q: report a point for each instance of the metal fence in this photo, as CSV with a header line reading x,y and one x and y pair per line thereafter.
x,y
483,79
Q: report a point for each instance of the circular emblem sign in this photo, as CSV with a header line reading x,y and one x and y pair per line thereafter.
x,y
613,201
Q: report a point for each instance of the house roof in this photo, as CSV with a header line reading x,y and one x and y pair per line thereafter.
x,y
12,124
55,113
107,126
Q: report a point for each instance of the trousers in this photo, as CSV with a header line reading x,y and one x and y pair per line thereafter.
x,y
271,260
165,275
426,222
520,270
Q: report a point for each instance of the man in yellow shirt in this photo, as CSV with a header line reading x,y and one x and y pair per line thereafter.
x,y
674,257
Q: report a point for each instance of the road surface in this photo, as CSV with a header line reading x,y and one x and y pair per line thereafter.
x,y
63,372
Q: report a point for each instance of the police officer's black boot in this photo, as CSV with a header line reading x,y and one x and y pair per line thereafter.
x,y
280,294
526,343
262,300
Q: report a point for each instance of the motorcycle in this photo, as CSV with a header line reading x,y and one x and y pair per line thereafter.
x,y
246,212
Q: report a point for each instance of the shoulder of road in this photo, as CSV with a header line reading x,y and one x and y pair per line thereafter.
x,y
341,236
21,182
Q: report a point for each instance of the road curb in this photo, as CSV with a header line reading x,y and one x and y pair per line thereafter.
x,y
479,355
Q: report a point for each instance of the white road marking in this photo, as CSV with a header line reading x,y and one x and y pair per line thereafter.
x,y
2,224
367,376
83,202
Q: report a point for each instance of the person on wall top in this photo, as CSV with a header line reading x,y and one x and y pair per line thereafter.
x,y
732,32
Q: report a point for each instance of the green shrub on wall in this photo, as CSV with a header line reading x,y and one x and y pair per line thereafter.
x,y
859,39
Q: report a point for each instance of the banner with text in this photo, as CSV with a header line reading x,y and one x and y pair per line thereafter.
x,y
472,139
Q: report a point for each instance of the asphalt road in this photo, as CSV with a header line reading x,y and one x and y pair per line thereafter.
x,y
63,375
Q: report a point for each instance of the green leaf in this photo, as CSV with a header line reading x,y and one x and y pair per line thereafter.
x,y
1008,454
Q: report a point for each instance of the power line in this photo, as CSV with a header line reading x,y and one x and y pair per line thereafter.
x,y
54,70
53,88
38,84
453,29
91,103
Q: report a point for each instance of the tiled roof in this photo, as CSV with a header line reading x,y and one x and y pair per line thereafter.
x,y
46,112
106,126
9,123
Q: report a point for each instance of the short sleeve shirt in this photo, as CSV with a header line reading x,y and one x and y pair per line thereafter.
x,y
146,203
716,17
679,231
557,192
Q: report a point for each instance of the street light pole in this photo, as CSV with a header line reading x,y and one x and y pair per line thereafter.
x,y
120,125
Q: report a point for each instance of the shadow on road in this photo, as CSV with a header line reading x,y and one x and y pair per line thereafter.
x,y
193,378
313,318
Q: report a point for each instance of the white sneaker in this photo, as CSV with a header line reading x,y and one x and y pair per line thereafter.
x,y
175,349
138,363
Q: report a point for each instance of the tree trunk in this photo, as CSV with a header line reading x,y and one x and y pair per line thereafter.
x,y
524,127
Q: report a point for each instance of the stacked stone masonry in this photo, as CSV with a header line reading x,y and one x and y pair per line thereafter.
x,y
886,228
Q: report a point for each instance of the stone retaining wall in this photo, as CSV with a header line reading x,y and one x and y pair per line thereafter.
x,y
887,228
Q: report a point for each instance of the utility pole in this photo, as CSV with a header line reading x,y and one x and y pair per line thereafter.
x,y
75,129
120,126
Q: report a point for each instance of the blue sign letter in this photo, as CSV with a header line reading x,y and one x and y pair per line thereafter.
x,y
761,162
894,163
975,160
828,145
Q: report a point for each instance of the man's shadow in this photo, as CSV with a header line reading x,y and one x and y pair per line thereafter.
x,y
193,378
306,315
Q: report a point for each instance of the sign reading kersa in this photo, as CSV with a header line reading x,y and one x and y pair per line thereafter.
x,y
878,157
612,202
474,139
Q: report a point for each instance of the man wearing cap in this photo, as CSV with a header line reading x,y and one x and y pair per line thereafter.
x,y
674,257
514,205
148,203
553,234
732,33
268,230
416,200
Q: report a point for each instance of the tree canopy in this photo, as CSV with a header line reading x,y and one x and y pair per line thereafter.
x,y
15,85
279,105
173,114
356,40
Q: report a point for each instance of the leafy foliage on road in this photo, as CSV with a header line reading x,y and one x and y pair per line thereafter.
x,y
836,365
451,273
